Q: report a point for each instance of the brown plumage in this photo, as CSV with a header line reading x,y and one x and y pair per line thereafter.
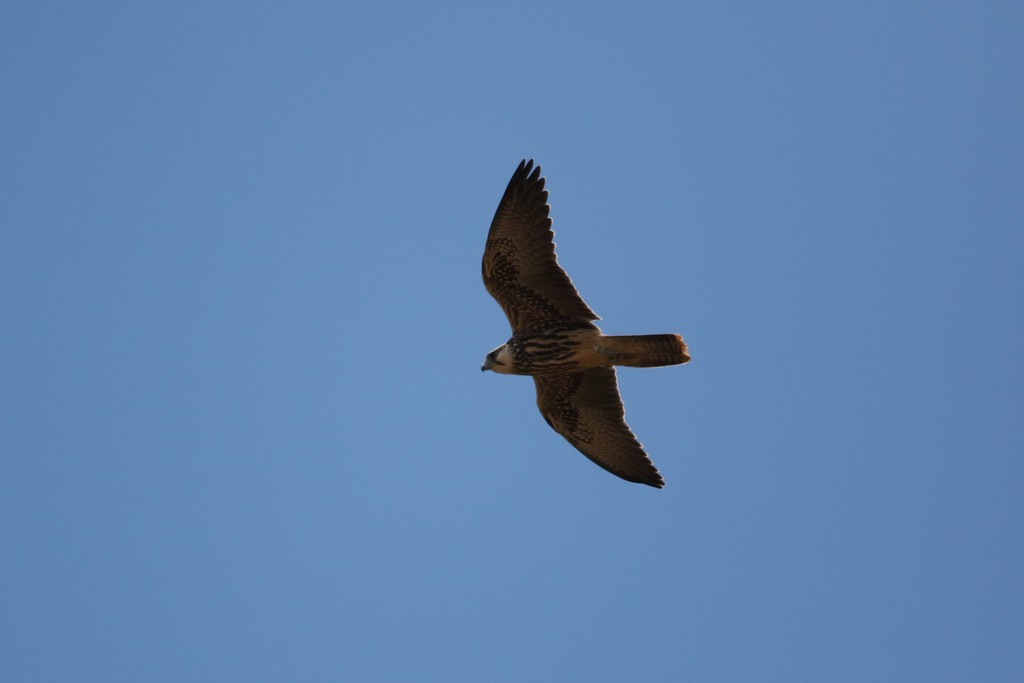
x,y
555,340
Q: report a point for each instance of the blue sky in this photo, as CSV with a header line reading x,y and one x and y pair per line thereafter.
x,y
243,429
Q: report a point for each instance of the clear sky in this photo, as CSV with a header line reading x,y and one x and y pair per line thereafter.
x,y
244,435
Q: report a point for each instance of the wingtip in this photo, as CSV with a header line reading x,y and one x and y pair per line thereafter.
x,y
655,481
649,477
527,168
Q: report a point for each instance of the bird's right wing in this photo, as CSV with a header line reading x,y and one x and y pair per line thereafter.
x,y
586,409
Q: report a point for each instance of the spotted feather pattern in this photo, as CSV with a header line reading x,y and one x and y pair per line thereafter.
x,y
520,268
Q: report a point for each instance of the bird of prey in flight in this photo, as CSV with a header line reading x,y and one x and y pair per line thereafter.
x,y
554,339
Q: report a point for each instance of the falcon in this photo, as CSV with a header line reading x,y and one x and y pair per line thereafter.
x,y
554,338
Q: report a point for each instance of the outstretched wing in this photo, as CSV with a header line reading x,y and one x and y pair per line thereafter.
x,y
586,409
520,268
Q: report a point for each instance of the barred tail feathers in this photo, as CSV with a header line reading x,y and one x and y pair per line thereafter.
x,y
644,351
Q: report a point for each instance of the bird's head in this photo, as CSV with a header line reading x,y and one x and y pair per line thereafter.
x,y
498,360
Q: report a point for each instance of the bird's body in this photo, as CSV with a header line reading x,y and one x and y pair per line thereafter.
x,y
554,339
559,349
568,348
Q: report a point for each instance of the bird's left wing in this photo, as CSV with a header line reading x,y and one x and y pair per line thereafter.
x,y
520,268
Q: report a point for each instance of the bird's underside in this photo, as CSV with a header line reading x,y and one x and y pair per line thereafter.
x,y
555,340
